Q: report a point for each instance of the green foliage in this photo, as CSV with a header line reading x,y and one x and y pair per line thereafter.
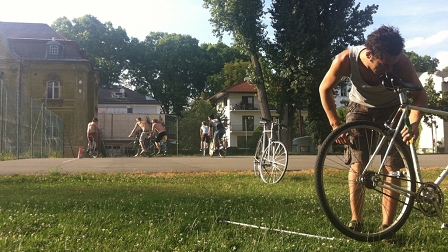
x,y
308,34
7,156
244,20
105,46
255,137
190,123
436,100
423,63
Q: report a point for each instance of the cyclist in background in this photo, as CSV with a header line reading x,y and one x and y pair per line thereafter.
x,y
219,129
145,127
93,130
161,132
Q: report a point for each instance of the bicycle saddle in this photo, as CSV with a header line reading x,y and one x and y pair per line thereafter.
x,y
392,82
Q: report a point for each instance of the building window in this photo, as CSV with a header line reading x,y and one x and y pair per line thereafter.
x,y
53,50
130,110
248,102
53,90
248,123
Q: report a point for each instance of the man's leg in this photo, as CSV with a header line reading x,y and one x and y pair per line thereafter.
x,y
356,192
390,203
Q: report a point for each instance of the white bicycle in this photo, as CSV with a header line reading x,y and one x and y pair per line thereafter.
x,y
271,156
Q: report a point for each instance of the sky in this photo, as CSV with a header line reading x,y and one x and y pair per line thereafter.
x,y
423,24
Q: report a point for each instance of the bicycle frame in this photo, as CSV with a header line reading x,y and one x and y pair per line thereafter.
x,y
403,115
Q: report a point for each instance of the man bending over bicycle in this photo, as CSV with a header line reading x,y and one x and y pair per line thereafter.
x,y
145,127
370,100
219,132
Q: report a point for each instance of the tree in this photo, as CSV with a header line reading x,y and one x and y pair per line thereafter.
x,y
106,46
243,19
308,34
190,122
170,67
423,63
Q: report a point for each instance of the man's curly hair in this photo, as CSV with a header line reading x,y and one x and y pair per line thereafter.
x,y
386,39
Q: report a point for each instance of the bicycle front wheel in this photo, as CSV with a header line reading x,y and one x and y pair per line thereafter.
x,y
274,162
222,148
352,189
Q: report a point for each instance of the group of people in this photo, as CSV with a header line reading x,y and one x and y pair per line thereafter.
x,y
369,100
206,131
149,129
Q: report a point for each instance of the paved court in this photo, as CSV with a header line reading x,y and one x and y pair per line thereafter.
x,y
165,164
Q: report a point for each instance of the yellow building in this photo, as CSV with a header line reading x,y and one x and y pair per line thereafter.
x,y
47,67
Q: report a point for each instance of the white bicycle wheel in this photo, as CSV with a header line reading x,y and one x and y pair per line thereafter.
x,y
274,162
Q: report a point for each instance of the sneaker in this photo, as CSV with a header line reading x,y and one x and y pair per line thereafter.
x,y
136,155
158,153
355,225
200,149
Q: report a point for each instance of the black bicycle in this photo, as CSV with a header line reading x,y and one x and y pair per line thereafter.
x,y
136,150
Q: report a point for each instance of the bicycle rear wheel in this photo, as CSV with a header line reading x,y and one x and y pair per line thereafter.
x,y
339,194
274,162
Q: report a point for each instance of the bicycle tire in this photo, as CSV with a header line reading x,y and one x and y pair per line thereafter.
x,y
151,149
274,162
332,183
257,156
222,148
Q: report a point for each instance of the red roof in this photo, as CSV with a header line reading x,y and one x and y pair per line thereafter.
x,y
243,87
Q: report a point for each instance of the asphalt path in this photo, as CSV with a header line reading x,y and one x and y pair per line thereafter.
x,y
166,164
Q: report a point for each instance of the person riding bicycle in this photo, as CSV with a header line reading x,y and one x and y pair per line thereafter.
x,y
161,132
370,100
93,130
145,127
219,132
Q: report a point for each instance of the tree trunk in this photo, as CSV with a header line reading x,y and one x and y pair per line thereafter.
x,y
261,90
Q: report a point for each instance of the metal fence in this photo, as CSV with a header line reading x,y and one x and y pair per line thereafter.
x,y
27,128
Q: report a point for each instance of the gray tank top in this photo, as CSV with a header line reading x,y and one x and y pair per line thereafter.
x,y
365,94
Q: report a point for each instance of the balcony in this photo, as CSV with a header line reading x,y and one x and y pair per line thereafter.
x,y
242,106
239,128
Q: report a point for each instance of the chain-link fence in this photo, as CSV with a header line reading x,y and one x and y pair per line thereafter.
x,y
27,128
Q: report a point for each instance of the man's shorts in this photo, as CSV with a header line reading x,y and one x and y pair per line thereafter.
x,y
360,153
144,135
159,136
219,133
205,137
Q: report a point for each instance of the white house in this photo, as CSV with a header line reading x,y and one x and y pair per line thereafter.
x,y
242,111
433,137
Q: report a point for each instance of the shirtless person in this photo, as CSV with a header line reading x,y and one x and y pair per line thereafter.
x,y
92,132
146,127
161,130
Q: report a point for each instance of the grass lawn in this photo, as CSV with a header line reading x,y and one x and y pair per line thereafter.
x,y
178,212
